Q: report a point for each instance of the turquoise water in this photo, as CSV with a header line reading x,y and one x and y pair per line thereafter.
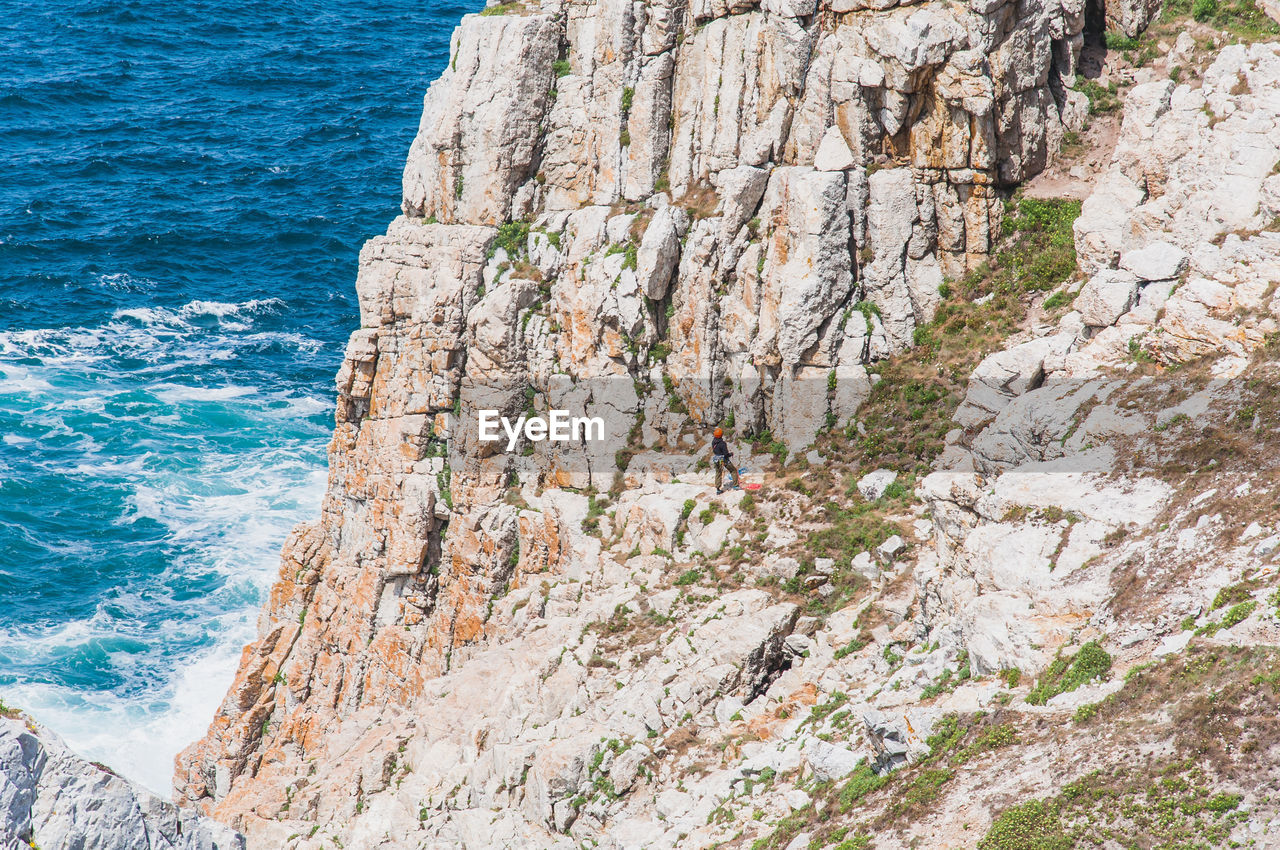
x,y
185,190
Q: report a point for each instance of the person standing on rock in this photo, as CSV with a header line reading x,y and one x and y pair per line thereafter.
x,y
722,459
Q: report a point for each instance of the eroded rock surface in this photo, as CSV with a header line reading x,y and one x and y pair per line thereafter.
x,y
667,214
53,799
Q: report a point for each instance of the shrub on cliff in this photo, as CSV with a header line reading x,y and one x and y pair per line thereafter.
x,y
511,238
1065,675
1032,826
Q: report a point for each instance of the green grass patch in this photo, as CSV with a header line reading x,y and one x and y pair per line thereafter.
x,y
861,782
1238,614
1067,674
501,9
1120,41
1034,825
1175,808
845,529
1103,100
1208,702
1044,255
1234,617
848,530
991,738
856,806
949,680
855,645
1233,594
1242,19
511,238
1085,713
1058,300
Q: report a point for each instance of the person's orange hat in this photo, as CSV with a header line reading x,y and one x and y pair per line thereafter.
x,y
719,432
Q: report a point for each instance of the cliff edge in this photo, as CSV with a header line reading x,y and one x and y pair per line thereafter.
x,y
786,219
51,798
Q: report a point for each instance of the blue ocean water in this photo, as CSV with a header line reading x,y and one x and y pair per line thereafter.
x,y
184,188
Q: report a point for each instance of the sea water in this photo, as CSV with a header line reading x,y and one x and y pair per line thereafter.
x,y
184,188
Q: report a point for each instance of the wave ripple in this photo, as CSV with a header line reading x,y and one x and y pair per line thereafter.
x,y
186,189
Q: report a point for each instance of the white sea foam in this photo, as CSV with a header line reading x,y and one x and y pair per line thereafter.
x,y
226,508
146,315
170,341
177,394
302,343
123,282
221,308
84,404
15,380
298,406
181,316
230,515
139,735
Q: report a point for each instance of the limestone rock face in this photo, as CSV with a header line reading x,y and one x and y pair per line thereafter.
x,y
1188,208
1132,16
480,123
1010,587
663,215
1192,164
51,798
1180,241
659,253
807,268
1106,297
1157,261
690,112
1180,247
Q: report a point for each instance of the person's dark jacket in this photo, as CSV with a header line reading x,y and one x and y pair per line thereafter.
x,y
719,448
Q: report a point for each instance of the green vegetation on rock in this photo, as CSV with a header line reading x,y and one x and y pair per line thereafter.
x,y
1121,807
1102,99
1241,18
1034,825
511,238
1065,675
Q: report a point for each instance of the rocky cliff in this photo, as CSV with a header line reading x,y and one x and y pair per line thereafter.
x,y
672,215
51,798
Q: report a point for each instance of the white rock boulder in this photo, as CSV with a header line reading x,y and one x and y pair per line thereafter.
x,y
1157,261
874,485
830,761
1106,297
